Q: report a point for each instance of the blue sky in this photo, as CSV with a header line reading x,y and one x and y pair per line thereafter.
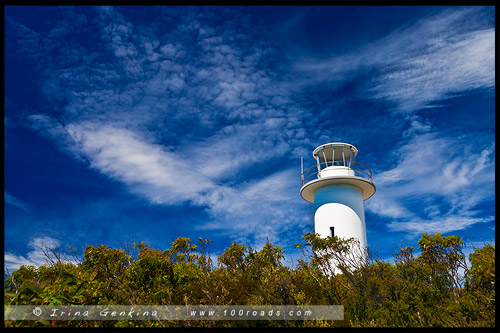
x,y
128,124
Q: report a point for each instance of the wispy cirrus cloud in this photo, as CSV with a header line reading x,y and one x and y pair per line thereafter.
x,y
13,201
147,168
438,57
448,67
429,169
441,225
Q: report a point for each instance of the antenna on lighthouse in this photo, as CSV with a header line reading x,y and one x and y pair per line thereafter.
x,y
302,168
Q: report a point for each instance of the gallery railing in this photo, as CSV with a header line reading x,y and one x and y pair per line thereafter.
x,y
359,169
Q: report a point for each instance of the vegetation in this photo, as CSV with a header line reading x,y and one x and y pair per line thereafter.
x,y
435,288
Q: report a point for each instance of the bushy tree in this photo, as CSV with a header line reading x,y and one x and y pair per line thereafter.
x,y
424,290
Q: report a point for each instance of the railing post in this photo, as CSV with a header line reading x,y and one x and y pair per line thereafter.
x,y
324,156
333,155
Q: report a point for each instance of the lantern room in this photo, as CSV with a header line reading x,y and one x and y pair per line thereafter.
x,y
335,165
335,159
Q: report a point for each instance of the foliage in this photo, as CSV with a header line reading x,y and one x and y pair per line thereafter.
x,y
435,288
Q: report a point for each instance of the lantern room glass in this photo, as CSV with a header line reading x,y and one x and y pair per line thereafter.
x,y
335,155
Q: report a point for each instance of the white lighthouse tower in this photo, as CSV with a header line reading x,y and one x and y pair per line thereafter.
x,y
338,192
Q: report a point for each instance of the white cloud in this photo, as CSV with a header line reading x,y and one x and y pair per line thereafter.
x,y
35,257
450,66
148,168
11,200
277,187
169,50
440,165
44,242
386,207
46,125
429,169
438,57
440,225
235,148
259,210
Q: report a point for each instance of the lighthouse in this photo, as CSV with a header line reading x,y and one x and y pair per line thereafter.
x,y
338,187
